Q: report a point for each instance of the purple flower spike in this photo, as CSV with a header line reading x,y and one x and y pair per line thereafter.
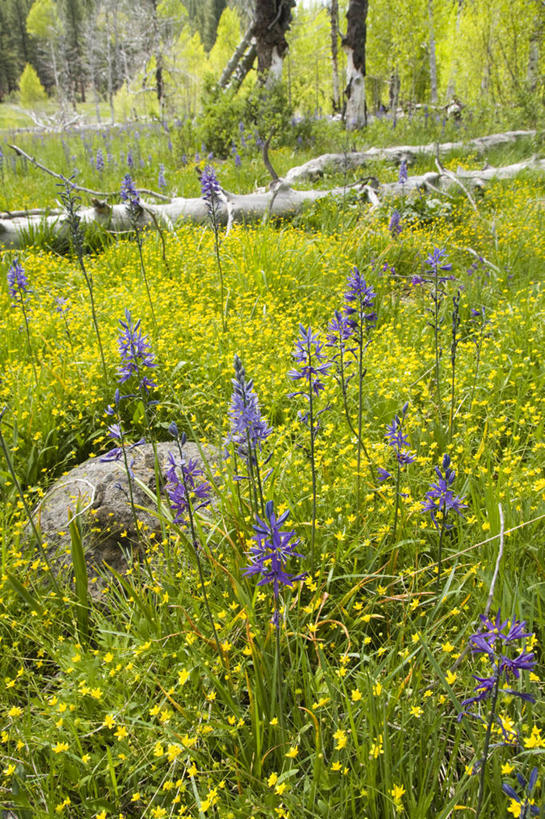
x,y
248,428
272,551
403,174
492,641
360,308
394,225
308,352
440,498
436,261
129,193
210,187
161,180
398,440
184,487
17,282
135,352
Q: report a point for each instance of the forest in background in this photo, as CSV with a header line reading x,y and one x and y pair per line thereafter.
x,y
489,55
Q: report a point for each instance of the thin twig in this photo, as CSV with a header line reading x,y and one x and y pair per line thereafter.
x,y
455,179
105,195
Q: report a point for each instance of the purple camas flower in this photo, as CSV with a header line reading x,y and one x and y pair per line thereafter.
x,y
17,282
360,308
61,305
398,440
99,161
339,330
135,352
130,160
184,487
248,428
441,498
308,352
210,187
436,262
161,180
272,551
394,225
403,174
129,193
493,641
523,806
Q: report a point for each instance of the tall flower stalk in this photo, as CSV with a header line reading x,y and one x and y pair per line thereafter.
x,y
313,366
120,452
248,431
494,641
361,318
187,493
455,340
71,204
436,266
211,191
440,502
130,195
19,292
400,444
268,558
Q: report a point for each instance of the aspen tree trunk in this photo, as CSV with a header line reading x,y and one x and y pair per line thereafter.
x,y
536,37
334,15
354,46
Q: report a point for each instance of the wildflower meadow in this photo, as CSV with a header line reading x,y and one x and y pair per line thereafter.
x,y
340,608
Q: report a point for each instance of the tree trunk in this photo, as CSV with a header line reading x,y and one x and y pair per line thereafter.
x,y
244,67
235,60
536,37
354,46
334,15
158,54
272,20
433,56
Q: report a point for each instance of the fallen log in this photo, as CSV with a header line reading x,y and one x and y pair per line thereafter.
x,y
316,168
280,200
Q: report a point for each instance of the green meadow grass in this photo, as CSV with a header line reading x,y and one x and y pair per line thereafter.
x,y
123,706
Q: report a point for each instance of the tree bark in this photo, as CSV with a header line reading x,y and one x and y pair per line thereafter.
x,y
536,37
235,60
334,16
354,45
272,20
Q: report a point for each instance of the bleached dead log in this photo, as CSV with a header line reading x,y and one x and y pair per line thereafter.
x,y
279,201
355,159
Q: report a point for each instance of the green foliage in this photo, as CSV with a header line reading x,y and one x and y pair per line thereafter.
x,y
43,20
221,113
263,112
31,89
